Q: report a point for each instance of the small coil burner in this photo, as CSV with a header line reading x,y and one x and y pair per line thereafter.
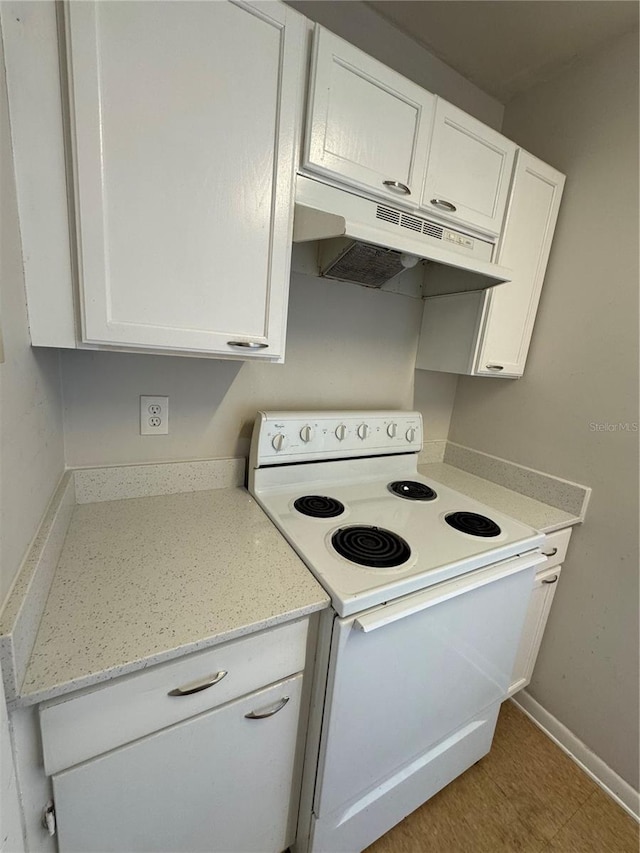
x,y
473,523
412,490
374,547
319,506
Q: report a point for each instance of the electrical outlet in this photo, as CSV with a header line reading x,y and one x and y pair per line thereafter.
x,y
154,415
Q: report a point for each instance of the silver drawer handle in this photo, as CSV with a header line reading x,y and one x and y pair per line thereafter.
x,y
269,711
396,185
550,553
247,344
445,205
197,686
551,580
495,367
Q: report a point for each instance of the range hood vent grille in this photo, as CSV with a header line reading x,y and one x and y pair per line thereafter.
x,y
411,222
388,214
432,230
404,220
361,263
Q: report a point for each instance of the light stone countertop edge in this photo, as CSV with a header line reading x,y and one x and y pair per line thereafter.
x,y
135,666
530,511
106,577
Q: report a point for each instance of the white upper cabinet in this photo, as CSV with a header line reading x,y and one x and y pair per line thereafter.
x,y
469,170
371,128
525,246
184,123
487,333
183,134
367,126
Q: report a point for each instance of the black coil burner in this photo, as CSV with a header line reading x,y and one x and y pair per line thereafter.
x,y
473,523
319,506
412,491
374,547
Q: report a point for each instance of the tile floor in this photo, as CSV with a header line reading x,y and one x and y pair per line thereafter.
x,y
525,796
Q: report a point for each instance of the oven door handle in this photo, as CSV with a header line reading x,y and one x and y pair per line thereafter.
x,y
442,592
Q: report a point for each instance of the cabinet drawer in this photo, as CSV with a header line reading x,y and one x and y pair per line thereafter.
x,y
96,721
555,548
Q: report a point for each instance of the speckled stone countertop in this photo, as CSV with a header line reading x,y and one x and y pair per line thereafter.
x,y
145,580
529,511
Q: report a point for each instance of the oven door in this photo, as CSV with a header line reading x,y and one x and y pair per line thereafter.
x,y
413,692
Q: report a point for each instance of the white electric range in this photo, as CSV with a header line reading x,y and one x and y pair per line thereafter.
x,y
429,590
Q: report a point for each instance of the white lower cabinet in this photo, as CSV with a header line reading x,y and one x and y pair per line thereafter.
x,y
488,332
544,590
219,782
199,754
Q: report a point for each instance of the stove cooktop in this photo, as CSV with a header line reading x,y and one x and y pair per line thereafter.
x,y
434,550
372,529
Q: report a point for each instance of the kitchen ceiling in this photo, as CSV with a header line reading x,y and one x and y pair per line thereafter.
x,y
507,46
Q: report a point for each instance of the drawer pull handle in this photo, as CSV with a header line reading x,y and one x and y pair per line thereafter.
x,y
269,711
248,344
551,580
197,686
495,367
396,185
550,553
445,205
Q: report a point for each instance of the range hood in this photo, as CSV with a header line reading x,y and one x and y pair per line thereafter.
x,y
370,242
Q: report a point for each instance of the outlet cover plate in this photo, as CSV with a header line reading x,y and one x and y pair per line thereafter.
x,y
154,415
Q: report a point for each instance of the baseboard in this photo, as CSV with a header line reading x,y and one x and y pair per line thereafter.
x,y
593,766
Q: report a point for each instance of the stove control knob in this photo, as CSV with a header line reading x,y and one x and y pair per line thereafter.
x,y
363,431
306,433
410,434
341,432
392,430
279,441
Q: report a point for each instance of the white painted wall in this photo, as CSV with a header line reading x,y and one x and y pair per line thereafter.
x,y
347,347
31,444
583,370
361,25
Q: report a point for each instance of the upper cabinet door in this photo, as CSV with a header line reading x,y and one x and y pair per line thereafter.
x,y
469,170
366,125
524,247
184,120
